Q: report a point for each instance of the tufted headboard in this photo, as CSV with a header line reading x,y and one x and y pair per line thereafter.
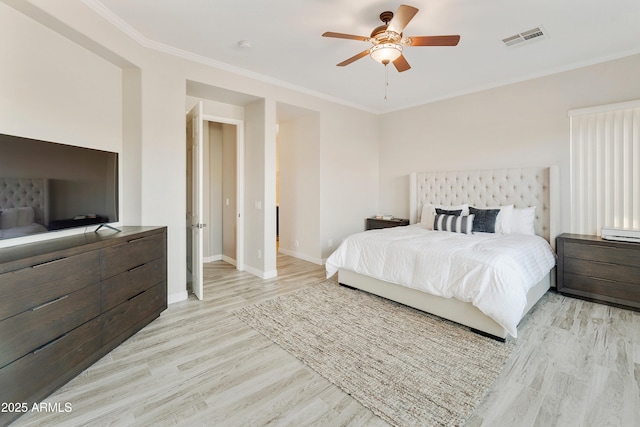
x,y
522,187
26,192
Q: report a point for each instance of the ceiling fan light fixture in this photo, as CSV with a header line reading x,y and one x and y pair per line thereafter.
x,y
385,53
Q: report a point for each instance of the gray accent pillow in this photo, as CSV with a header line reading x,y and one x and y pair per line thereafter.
x,y
484,219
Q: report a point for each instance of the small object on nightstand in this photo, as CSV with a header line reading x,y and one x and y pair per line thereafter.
x,y
377,223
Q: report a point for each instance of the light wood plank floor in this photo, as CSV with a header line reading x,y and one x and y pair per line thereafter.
x,y
575,364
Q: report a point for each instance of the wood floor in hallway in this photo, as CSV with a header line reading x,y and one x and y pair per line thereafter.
x,y
576,363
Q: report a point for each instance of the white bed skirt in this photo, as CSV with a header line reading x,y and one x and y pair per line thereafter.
x,y
447,308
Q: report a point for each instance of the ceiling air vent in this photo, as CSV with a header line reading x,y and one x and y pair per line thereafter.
x,y
525,37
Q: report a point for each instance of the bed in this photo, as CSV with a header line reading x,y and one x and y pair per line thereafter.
x,y
24,206
374,260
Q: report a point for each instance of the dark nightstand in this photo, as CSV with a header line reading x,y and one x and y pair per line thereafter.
x,y
600,270
374,223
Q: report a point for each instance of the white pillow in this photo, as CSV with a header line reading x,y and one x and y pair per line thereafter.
x,y
26,216
16,217
9,218
504,219
523,221
429,213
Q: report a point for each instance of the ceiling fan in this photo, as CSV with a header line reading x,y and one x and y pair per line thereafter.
x,y
388,40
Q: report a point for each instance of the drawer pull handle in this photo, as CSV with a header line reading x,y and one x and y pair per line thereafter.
x,y
603,263
136,267
602,279
136,295
49,303
53,261
50,343
135,240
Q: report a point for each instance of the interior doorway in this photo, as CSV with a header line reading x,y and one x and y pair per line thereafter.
x,y
220,192
221,198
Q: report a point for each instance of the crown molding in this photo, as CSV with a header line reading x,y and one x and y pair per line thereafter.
x,y
98,7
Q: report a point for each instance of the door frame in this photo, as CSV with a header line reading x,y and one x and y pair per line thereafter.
x,y
194,210
239,124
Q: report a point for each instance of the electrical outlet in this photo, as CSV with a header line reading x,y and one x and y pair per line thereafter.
x,y
330,243
259,254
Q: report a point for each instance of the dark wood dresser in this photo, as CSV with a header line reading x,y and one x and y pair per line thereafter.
x,y
65,303
599,270
376,223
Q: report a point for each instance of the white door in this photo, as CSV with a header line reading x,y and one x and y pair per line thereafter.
x,y
194,199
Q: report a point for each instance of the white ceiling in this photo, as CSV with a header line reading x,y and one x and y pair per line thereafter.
x,y
287,48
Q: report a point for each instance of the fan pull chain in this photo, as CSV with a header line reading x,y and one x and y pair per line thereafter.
x,y
386,80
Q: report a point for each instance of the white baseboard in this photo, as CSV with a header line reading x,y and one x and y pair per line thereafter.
x,y
299,255
212,258
229,260
261,274
177,297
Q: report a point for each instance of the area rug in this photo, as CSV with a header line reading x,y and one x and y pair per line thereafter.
x,y
408,367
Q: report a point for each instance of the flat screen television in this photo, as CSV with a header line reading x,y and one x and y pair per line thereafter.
x,y
48,186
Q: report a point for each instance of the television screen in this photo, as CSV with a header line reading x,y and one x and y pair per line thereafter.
x,y
47,186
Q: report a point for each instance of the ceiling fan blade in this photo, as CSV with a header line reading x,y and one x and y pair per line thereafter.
x,y
451,40
401,18
401,64
354,58
345,36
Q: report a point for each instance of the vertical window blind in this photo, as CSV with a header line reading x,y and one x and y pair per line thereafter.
x,y
605,167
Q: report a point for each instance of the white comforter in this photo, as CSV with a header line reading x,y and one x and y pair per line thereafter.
x,y
492,271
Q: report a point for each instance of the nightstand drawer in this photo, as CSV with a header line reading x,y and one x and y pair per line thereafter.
x,y
616,292
376,223
606,254
603,270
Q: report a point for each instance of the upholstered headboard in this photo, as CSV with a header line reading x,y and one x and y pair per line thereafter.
x,y
522,187
26,192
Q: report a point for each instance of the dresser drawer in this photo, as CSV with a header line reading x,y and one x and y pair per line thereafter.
x,y
24,379
34,328
128,315
120,288
603,270
30,287
600,253
123,257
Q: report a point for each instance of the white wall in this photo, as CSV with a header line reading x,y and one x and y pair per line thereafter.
x,y
348,174
229,192
53,90
299,186
522,124
219,185
260,194
213,190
